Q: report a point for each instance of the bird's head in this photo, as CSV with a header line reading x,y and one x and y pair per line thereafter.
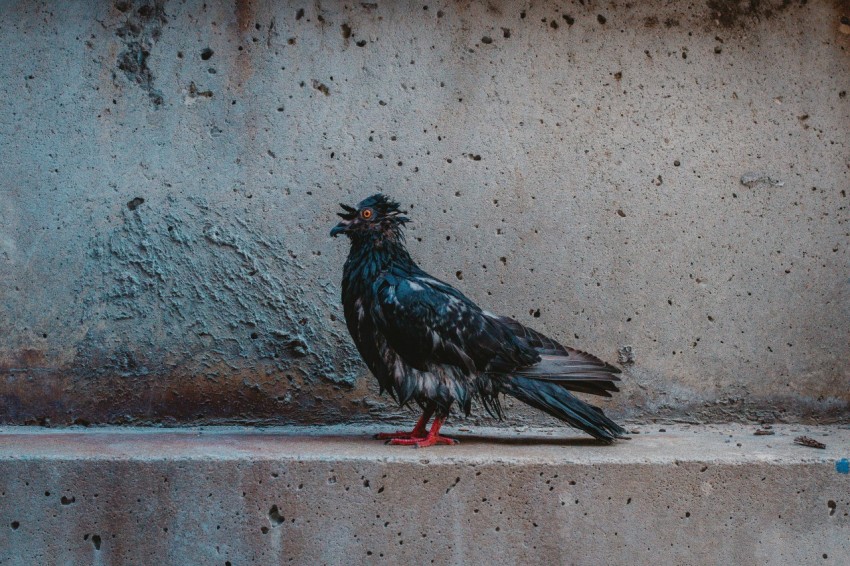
x,y
374,216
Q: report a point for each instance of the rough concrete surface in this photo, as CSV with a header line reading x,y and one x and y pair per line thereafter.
x,y
687,496
663,182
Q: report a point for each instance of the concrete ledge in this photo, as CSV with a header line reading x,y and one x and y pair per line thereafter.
x,y
689,495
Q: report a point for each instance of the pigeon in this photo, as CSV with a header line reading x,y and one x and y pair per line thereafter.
x,y
427,343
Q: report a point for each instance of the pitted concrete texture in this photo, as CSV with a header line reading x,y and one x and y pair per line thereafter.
x,y
660,182
687,495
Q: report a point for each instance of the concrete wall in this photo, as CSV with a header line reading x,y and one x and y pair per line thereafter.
x,y
672,177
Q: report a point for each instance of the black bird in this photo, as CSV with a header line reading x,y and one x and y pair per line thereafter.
x,y
426,342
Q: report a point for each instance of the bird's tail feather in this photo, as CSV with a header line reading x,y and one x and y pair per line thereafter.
x,y
554,399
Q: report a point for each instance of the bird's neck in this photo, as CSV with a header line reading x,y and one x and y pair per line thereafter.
x,y
369,256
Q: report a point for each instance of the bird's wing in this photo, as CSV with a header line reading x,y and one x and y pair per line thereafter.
x,y
571,368
551,351
428,321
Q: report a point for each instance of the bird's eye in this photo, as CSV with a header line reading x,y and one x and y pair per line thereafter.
x,y
366,213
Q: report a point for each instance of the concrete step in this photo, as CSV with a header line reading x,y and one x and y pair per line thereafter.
x,y
686,495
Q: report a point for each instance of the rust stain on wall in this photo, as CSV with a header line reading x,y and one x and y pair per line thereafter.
x,y
244,68
244,14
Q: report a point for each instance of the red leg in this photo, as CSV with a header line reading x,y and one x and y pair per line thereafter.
x,y
419,431
431,439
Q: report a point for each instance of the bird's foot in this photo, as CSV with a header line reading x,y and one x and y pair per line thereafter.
x,y
420,430
423,442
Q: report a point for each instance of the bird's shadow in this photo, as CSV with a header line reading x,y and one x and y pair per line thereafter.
x,y
467,439
528,440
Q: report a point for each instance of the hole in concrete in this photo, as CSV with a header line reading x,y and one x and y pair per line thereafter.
x,y
206,54
47,494
459,275
67,500
95,540
15,525
264,530
601,19
275,518
832,506
321,87
346,31
135,203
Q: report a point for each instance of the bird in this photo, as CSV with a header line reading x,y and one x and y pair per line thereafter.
x,y
427,343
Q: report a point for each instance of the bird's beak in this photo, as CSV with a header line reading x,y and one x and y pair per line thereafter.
x,y
347,218
340,228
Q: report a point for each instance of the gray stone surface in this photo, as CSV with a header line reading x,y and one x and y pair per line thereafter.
x,y
688,495
169,173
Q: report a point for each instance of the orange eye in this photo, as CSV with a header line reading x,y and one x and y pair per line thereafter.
x,y
366,213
